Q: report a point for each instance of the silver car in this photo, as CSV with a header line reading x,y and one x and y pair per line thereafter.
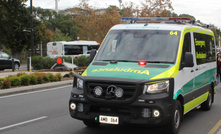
x,y
6,61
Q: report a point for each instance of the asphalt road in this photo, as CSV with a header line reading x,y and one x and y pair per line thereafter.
x,y
46,112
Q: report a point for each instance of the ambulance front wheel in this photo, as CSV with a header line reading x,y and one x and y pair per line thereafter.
x,y
90,123
174,125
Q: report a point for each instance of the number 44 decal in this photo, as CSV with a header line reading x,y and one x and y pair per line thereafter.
x,y
173,33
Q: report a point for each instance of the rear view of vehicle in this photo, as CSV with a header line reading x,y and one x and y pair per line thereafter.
x,y
136,77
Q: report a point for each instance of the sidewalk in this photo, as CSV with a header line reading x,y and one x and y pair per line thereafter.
x,y
22,89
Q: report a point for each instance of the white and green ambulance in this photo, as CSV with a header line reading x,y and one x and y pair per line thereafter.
x,y
147,74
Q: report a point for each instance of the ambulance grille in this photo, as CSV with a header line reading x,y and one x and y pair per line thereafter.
x,y
129,90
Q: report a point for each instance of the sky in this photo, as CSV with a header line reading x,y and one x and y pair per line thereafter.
x,y
207,11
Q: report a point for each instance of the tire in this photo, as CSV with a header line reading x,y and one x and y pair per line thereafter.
x,y
16,66
90,123
174,126
208,103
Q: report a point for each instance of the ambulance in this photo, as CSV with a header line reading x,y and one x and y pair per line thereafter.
x,y
149,72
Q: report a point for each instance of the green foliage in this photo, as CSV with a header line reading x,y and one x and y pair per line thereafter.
x,y
15,81
59,76
66,75
25,80
76,61
48,62
51,76
71,74
14,19
1,79
45,78
33,79
20,74
59,36
66,59
37,62
40,77
8,51
5,83
83,61
187,15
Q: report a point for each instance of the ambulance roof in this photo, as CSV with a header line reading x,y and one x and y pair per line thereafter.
x,y
158,26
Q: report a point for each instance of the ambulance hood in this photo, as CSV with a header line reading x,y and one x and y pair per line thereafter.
x,y
130,70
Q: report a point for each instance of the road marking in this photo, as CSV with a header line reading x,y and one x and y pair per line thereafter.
x,y
33,92
213,130
21,123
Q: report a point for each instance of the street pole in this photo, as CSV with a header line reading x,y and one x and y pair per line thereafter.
x,y
32,41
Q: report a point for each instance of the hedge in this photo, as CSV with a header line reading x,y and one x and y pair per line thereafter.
x,y
23,79
40,62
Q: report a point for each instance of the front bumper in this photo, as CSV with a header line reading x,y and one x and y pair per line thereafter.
x,y
129,110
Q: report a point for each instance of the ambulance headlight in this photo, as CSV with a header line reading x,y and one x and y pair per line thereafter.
x,y
80,83
160,87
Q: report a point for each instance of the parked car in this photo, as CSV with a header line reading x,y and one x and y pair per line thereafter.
x,y
6,61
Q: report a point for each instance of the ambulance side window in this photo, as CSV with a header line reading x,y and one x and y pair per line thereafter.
x,y
205,48
186,46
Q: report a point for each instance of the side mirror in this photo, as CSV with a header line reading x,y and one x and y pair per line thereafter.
x,y
188,60
92,54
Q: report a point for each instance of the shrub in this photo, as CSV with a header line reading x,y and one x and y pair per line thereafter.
x,y
10,76
40,77
76,61
66,75
71,74
15,81
66,59
33,79
1,79
56,78
48,62
51,76
59,76
6,83
20,74
25,80
45,77
36,62
83,61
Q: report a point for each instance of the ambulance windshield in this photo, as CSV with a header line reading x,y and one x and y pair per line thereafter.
x,y
158,46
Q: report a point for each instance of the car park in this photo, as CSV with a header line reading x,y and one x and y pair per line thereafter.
x,y
6,61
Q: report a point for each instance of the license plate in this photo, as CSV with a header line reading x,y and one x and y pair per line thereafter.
x,y
108,119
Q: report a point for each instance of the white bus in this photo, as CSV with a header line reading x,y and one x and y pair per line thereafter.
x,y
70,48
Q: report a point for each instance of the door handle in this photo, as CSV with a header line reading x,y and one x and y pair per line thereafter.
x,y
197,69
192,71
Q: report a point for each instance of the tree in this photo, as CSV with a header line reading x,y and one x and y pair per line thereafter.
x,y
15,20
14,17
172,14
107,20
187,15
152,8
129,10
86,19
59,36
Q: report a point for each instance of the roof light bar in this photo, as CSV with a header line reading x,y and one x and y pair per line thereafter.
x,y
154,19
